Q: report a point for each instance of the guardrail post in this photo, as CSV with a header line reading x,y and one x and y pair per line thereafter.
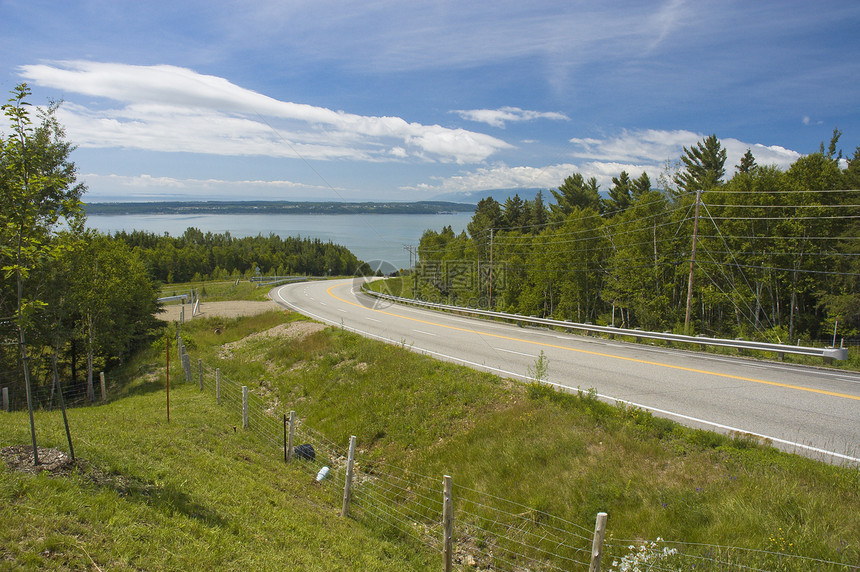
x,y
447,523
218,385
6,399
245,406
102,383
597,544
347,487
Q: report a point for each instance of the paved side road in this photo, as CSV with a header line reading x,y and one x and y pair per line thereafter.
x,y
232,309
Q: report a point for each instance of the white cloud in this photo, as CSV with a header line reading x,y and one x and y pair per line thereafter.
x,y
123,187
651,147
632,151
168,108
498,117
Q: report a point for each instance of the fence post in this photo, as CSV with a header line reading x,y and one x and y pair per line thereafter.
x,y
6,399
347,487
218,385
182,314
291,435
447,524
187,363
245,406
102,383
597,544
200,372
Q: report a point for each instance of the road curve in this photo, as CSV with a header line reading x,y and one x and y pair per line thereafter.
x,y
807,410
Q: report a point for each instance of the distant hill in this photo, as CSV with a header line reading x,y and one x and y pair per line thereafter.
x,y
499,194
276,207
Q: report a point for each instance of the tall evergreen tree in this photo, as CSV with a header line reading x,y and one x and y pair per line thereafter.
x,y
703,166
539,215
619,193
747,163
575,193
640,186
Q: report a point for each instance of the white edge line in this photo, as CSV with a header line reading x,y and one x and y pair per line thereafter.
x,y
567,388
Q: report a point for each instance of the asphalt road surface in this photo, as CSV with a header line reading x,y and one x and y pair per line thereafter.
x,y
808,410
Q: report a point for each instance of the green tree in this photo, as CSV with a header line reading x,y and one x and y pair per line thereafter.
x,y
620,193
513,212
747,163
575,193
39,192
703,166
640,186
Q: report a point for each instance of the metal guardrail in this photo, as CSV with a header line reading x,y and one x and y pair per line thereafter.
x,y
826,353
182,297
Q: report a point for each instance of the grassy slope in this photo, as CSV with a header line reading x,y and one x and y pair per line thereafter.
x,y
202,495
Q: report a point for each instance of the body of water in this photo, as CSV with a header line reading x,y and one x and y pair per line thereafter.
x,y
370,237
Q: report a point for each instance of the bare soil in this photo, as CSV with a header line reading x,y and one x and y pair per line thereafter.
x,y
20,458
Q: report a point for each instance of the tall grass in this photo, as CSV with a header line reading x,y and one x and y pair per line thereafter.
x,y
569,456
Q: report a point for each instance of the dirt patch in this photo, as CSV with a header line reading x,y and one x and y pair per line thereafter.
x,y
20,458
293,331
230,309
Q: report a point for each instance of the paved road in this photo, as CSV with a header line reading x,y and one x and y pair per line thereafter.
x,y
808,410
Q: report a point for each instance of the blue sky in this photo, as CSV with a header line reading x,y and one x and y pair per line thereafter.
x,y
407,100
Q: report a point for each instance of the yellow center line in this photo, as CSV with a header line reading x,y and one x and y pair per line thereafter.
x,y
589,352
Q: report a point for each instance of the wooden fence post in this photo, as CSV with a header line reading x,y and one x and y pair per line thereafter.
x,y
597,544
6,399
245,406
347,487
200,372
291,435
187,363
102,383
218,385
447,524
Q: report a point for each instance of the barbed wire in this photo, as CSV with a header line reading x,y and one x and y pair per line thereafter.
x,y
491,531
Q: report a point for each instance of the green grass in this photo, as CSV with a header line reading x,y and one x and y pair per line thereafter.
x,y
192,494
219,290
201,495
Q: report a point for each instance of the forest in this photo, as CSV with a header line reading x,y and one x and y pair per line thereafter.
x,y
769,254
73,301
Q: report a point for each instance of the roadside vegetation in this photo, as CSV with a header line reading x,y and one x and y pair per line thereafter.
x,y
195,493
767,254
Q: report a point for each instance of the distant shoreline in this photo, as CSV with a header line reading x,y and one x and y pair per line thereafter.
x,y
274,207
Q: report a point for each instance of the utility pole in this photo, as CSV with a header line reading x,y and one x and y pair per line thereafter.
x,y
409,248
491,269
692,262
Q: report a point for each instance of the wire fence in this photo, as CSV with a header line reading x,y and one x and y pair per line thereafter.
x,y
490,532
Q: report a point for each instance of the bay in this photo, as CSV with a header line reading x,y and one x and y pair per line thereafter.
x,y
371,237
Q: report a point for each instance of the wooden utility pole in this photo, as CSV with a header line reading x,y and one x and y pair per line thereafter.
x,y
692,262
491,269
